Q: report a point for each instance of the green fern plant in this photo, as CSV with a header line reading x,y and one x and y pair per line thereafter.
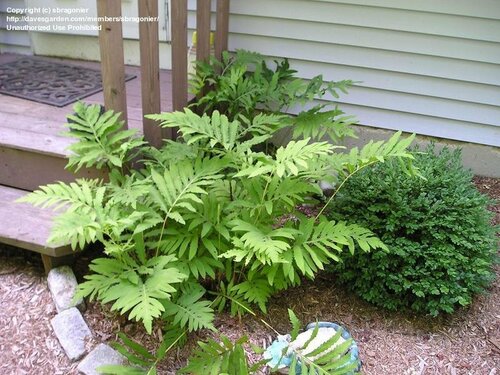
x,y
141,361
216,211
244,83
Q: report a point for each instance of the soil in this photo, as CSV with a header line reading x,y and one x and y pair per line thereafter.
x,y
467,342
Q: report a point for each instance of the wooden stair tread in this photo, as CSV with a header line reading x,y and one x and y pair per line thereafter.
x,y
53,145
26,226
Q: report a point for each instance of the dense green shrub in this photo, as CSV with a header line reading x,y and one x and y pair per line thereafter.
x,y
441,244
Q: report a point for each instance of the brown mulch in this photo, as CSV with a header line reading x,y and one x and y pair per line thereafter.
x,y
467,342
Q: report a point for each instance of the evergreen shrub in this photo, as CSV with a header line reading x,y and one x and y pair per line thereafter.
x,y
441,245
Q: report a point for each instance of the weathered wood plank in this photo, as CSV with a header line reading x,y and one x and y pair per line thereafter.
x,y
28,170
29,159
203,30
25,226
44,144
179,54
112,60
222,28
150,71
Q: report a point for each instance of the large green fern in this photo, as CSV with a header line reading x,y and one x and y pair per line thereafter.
x,y
218,209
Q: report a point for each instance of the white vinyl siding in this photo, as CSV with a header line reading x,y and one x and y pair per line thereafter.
x,y
430,67
13,41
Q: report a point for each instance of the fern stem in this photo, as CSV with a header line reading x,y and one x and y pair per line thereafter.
x,y
247,310
161,235
340,187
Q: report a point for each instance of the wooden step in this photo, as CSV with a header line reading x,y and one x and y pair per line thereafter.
x,y
29,159
28,227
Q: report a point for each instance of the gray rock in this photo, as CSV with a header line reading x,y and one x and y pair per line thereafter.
x,y
72,332
328,188
62,284
101,355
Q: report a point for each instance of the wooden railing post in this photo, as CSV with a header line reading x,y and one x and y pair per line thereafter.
x,y
222,28
203,30
150,71
179,54
112,60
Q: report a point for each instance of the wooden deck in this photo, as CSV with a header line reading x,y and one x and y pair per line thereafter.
x,y
22,114
33,152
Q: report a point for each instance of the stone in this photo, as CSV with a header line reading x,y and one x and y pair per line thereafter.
x,y
62,285
102,355
72,332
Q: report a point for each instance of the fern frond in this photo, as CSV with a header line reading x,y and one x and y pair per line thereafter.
x,y
255,290
180,186
189,311
133,288
85,211
171,152
85,195
379,151
315,124
297,155
291,159
316,242
77,228
227,294
216,129
296,324
263,124
214,357
101,140
142,361
128,190
264,243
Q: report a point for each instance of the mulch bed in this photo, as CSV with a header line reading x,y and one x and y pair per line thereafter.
x,y
467,342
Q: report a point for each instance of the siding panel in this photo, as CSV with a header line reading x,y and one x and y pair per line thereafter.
x,y
387,18
13,41
431,67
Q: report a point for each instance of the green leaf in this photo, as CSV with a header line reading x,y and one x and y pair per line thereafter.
x,y
295,324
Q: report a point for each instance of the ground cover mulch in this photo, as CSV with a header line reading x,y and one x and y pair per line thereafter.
x,y
467,342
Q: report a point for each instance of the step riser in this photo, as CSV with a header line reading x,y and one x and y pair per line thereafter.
x,y
27,170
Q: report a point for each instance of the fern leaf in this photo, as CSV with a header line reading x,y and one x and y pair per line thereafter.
x,y
180,186
101,140
82,194
218,358
255,290
133,292
190,312
379,151
216,129
295,324
264,243
315,124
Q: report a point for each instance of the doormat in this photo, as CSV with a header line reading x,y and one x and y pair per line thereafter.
x,y
49,82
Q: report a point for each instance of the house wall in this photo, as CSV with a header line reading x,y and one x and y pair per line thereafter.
x,y
431,67
13,41
84,44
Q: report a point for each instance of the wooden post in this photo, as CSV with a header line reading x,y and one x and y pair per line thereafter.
x,y
222,28
112,61
179,54
203,30
150,71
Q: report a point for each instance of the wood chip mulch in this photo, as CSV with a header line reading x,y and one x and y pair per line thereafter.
x,y
401,343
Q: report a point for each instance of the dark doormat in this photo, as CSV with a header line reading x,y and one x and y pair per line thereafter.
x,y
49,82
